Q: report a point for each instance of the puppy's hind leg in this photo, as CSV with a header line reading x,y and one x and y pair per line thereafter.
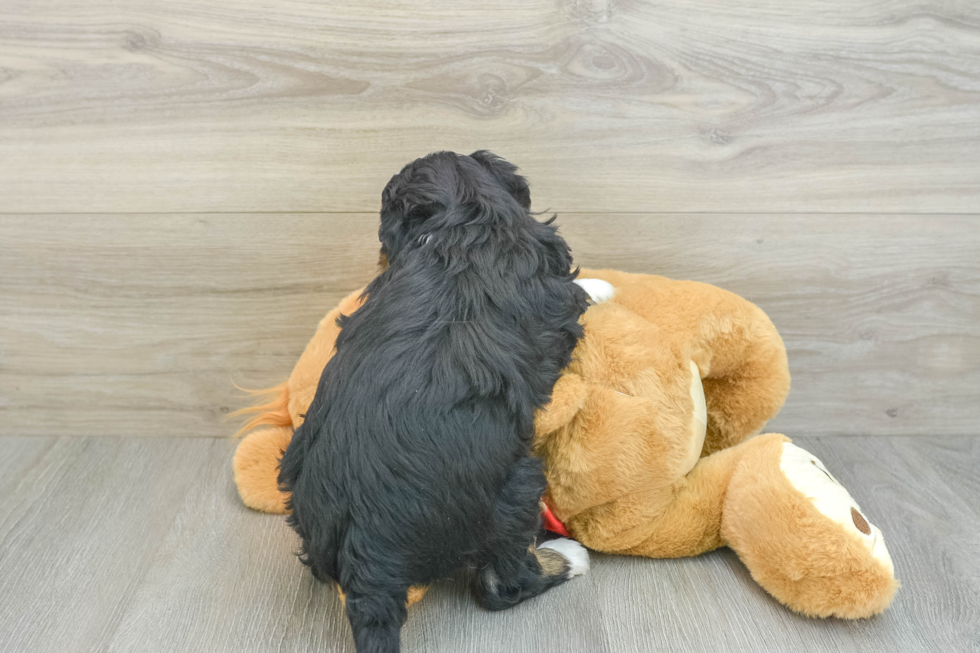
x,y
517,569
516,576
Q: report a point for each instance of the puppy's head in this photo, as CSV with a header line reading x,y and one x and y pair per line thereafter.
x,y
445,189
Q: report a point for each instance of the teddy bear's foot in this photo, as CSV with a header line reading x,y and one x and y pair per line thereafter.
x,y
256,466
802,535
811,479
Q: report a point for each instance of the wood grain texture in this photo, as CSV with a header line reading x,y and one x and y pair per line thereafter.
x,y
140,325
880,314
234,105
227,580
78,529
137,325
116,544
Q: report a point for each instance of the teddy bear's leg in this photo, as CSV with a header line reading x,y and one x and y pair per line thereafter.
x,y
640,524
256,466
744,370
802,536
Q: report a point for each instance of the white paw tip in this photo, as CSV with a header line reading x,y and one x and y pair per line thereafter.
x,y
599,291
576,554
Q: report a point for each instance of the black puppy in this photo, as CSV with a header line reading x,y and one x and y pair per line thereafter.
x,y
414,459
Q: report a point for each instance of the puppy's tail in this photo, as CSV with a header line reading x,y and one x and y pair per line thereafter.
x,y
376,621
272,408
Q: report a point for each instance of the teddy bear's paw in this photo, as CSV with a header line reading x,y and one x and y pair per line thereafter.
x,y
811,479
598,290
576,554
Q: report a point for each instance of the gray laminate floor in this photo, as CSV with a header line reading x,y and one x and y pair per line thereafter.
x,y
142,545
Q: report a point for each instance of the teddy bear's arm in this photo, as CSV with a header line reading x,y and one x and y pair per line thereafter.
x,y
567,398
745,371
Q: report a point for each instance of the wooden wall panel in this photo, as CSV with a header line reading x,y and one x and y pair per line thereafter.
x,y
138,324
235,105
880,313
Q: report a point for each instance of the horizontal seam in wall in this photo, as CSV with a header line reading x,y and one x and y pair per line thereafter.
x,y
756,213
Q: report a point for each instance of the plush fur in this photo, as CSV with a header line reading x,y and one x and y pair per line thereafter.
x,y
414,459
617,441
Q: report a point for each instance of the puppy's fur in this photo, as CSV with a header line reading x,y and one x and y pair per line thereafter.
x,y
414,459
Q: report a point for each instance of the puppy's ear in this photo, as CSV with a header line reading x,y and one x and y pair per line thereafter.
x,y
505,173
413,201
409,200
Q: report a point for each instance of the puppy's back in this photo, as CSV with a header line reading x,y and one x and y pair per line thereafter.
x,y
415,423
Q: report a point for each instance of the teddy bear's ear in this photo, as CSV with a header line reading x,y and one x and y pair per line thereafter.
x,y
567,398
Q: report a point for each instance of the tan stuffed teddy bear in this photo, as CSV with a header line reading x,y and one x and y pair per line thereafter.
x,y
647,445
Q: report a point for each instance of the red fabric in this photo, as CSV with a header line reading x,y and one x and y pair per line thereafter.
x,y
552,523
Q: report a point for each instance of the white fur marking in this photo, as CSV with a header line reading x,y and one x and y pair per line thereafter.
x,y
576,554
811,479
599,291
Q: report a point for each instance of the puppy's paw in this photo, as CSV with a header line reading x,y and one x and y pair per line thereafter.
x,y
576,555
598,290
